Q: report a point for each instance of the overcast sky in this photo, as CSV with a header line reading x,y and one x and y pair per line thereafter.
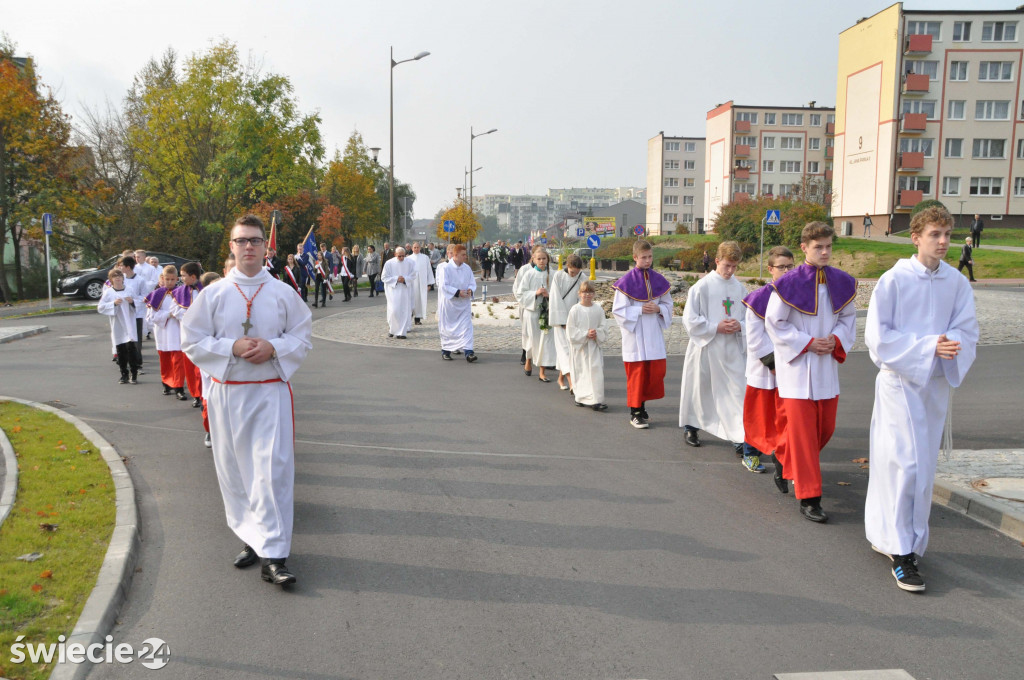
x,y
575,87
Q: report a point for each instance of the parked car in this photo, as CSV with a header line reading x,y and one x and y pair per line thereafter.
x,y
88,283
586,254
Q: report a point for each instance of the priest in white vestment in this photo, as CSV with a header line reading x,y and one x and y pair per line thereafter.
x,y
455,288
399,277
585,331
424,279
250,333
922,333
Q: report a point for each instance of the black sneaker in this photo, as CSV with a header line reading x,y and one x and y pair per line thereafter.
x,y
638,422
644,415
470,356
446,355
904,570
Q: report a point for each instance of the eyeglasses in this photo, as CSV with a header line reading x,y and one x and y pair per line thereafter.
x,y
586,292
783,267
255,241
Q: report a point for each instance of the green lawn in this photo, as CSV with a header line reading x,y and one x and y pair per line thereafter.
x,y
991,236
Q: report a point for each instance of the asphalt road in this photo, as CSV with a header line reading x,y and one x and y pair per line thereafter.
x,y
464,521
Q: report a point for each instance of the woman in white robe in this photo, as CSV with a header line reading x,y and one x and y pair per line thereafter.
x,y
532,290
564,294
585,331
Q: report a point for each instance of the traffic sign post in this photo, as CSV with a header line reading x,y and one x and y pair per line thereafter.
x,y
543,240
580,232
47,230
638,230
593,241
449,226
773,218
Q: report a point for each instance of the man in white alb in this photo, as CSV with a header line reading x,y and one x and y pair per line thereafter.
x,y
424,278
455,306
399,277
250,334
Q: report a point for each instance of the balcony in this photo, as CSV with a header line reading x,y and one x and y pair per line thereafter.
x,y
911,161
743,127
740,196
830,152
828,175
916,83
830,129
741,150
741,173
914,122
917,44
909,198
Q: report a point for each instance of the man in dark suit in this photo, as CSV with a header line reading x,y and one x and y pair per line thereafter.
x,y
386,255
302,258
977,226
967,259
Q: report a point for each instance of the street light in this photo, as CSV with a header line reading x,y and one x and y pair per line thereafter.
x,y
466,173
471,138
391,150
375,150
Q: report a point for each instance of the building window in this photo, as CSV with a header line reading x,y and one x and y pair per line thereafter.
x,y
768,142
671,146
986,186
688,182
812,167
917,145
750,141
769,119
769,166
1018,186
669,217
671,165
768,189
671,200
791,142
989,148
950,186
925,106
687,219
745,163
831,118
689,147
687,200
958,70
671,181
955,148
924,28
814,143
792,119
789,166
815,119
747,117
1020,148
998,31
995,70
961,31
912,183
991,109
957,109
689,165
923,67
743,188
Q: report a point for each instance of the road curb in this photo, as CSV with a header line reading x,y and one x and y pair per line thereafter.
x,y
10,490
115,575
73,312
24,334
979,508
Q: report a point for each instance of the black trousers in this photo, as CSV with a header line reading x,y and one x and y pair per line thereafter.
x,y
970,269
499,270
373,284
321,290
976,237
128,357
304,290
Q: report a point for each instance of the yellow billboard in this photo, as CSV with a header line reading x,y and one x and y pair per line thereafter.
x,y
599,225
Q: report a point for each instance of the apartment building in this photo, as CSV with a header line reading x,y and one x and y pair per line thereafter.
x,y
767,151
675,178
929,105
529,212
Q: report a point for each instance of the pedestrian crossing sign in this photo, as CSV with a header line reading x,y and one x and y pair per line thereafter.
x,y
772,217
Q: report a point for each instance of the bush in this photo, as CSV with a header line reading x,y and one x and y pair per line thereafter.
x,y
741,221
692,259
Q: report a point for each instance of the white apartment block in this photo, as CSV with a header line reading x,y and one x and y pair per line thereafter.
x,y
675,184
767,151
527,212
929,105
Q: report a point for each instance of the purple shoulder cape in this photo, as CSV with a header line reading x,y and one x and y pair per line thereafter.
x,y
642,285
156,298
799,288
757,301
184,295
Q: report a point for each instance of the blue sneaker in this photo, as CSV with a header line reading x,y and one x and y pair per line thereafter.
x,y
753,463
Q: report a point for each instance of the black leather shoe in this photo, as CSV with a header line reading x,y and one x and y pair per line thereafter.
x,y
197,402
780,482
813,513
246,558
447,356
179,394
274,571
167,390
471,357
691,438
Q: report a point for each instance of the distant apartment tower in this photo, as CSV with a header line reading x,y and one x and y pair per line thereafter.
x,y
767,151
929,105
675,191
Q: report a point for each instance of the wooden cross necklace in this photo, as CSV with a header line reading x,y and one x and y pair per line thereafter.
x,y
248,307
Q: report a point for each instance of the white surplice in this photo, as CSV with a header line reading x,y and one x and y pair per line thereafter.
x,y
643,335
800,374
713,385
542,344
455,314
424,278
399,294
564,294
166,328
910,308
523,326
758,345
438,284
122,316
250,405
587,360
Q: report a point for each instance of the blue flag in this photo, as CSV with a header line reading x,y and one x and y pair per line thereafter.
x,y
308,258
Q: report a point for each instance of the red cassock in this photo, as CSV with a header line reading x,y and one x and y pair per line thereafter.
x,y
764,420
809,426
645,380
172,369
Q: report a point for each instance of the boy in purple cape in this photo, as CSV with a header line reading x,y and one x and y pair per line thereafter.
x,y
643,310
812,322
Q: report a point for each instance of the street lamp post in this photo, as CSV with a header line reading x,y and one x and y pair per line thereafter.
x,y
471,138
391,150
466,173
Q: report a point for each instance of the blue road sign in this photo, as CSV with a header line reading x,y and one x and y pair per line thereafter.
x,y
638,230
449,226
580,231
544,241
48,223
773,217
593,241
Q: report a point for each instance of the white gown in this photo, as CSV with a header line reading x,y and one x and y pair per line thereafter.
x,y
400,295
424,278
587,366
910,308
524,327
542,345
643,335
713,385
564,294
122,316
166,329
455,314
250,405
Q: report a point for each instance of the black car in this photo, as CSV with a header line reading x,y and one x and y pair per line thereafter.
x,y
88,283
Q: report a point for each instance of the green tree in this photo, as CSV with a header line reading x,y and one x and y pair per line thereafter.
x,y
214,140
466,225
741,220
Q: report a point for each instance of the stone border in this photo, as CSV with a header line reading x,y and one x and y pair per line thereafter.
x,y
980,508
72,312
35,330
10,491
115,575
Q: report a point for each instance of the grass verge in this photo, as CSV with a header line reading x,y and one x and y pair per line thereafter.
x,y
63,481
48,312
